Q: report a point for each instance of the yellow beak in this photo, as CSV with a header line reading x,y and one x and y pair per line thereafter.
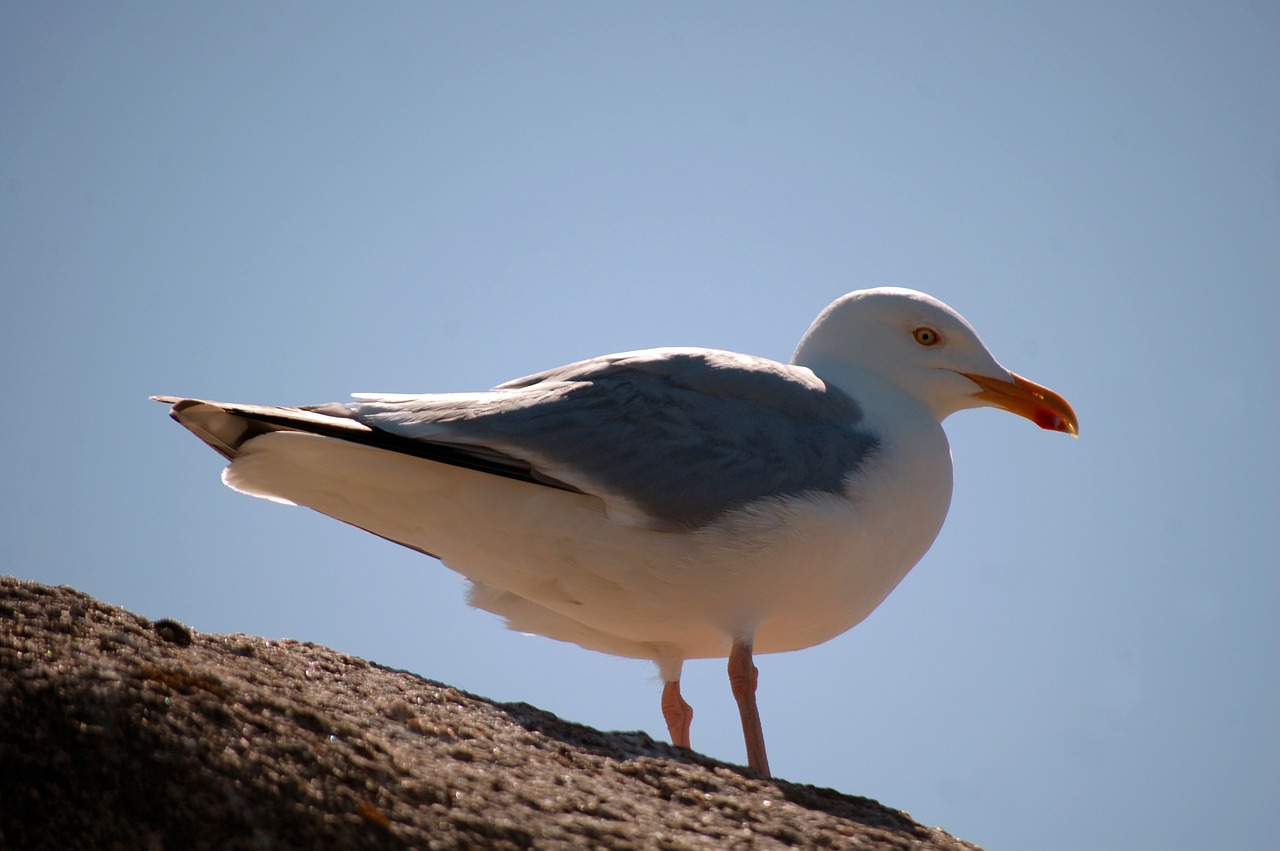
x,y
1027,399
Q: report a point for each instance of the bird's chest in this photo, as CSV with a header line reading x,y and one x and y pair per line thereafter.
x,y
841,555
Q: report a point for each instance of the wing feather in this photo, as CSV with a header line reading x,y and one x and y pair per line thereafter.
x,y
669,438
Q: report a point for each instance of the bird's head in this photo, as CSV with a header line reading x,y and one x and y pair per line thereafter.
x,y
927,350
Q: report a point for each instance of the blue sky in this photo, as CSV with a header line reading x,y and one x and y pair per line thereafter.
x,y
288,202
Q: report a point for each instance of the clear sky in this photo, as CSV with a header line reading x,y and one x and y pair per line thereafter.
x,y
288,202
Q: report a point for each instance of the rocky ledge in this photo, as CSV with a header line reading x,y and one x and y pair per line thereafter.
x,y
121,732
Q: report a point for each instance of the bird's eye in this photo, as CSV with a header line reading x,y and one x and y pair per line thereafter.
x,y
927,336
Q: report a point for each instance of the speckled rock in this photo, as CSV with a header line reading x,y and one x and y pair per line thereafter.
x,y
120,732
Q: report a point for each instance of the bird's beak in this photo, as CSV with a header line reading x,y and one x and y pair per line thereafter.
x,y
1027,399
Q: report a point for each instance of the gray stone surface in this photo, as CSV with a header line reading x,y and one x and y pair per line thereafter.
x,y
120,732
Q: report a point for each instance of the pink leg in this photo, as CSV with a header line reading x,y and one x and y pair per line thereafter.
x,y
742,679
679,714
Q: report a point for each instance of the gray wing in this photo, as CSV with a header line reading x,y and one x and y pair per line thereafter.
x,y
670,438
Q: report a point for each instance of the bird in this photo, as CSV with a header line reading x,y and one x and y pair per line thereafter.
x,y
664,504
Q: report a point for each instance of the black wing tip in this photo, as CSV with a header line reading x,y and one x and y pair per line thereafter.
x,y
179,403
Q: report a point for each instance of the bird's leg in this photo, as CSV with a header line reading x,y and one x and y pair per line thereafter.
x,y
742,679
679,714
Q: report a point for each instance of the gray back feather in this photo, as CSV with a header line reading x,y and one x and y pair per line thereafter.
x,y
682,434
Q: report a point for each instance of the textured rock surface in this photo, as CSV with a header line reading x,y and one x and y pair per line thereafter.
x,y
119,732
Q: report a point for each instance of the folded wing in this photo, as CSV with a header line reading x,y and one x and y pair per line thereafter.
x,y
668,438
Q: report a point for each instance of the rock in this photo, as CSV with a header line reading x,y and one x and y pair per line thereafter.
x,y
117,732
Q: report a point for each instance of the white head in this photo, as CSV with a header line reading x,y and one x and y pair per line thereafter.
x,y
927,350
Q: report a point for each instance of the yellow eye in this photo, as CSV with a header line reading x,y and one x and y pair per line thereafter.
x,y
927,336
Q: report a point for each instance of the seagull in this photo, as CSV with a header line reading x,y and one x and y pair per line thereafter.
x,y
664,504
